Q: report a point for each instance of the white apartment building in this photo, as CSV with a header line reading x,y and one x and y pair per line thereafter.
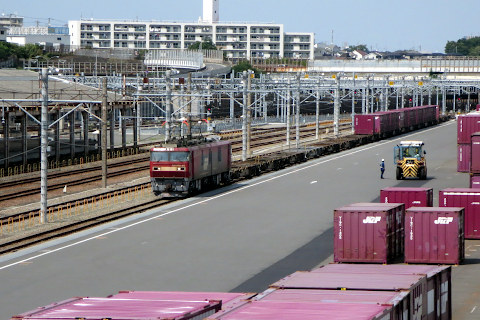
x,y
237,40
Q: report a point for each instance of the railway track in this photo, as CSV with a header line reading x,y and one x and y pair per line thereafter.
x,y
25,187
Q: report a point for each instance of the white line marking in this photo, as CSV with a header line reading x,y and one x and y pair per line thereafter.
x,y
212,198
313,182
473,309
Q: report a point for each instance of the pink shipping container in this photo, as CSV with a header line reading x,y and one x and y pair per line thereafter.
x,y
475,153
276,310
398,301
411,197
365,234
478,107
468,199
366,123
416,285
467,125
229,300
123,309
464,153
474,181
439,282
434,235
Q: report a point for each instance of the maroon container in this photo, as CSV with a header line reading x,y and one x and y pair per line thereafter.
x,y
478,107
365,234
276,310
464,153
439,282
398,301
414,284
365,123
474,181
411,197
467,125
123,309
475,153
434,235
468,199
398,229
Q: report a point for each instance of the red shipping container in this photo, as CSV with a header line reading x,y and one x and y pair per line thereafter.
x,y
434,235
411,197
468,199
478,107
475,153
474,181
276,310
364,234
463,157
399,229
123,309
467,125
439,282
416,285
398,301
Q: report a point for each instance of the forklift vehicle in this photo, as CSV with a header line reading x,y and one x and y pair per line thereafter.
x,y
409,157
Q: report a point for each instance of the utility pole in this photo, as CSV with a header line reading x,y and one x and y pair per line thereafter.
x,y
249,112
44,145
244,116
297,113
288,113
189,107
336,107
317,111
104,132
168,115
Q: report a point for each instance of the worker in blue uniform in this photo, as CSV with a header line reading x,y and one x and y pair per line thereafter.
x,y
382,168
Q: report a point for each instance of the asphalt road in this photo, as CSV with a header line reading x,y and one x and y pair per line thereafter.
x,y
241,238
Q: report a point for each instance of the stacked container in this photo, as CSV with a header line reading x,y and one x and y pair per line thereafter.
x,y
411,197
439,282
475,161
123,309
367,233
468,199
467,125
269,310
413,284
434,235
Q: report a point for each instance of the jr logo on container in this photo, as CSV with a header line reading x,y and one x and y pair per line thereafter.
x,y
443,220
372,219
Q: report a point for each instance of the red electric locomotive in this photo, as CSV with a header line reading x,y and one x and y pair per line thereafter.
x,y
179,171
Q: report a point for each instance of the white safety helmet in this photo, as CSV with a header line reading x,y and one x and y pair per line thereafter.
x,y
383,160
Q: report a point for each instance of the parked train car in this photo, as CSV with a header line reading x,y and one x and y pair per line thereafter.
x,y
179,171
396,121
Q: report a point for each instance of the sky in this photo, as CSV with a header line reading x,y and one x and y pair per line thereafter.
x,y
385,25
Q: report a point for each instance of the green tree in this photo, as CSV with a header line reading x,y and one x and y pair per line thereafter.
x,y
362,47
244,66
206,45
465,47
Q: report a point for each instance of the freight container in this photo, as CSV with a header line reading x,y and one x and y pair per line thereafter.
x,y
365,234
434,235
416,285
270,310
123,309
229,300
366,124
475,153
464,153
474,181
467,125
439,282
399,209
398,301
411,197
468,199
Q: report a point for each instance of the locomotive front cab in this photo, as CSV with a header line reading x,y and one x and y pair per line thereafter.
x,y
409,157
170,170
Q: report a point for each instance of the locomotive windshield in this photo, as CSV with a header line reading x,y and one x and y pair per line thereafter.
x,y
169,156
